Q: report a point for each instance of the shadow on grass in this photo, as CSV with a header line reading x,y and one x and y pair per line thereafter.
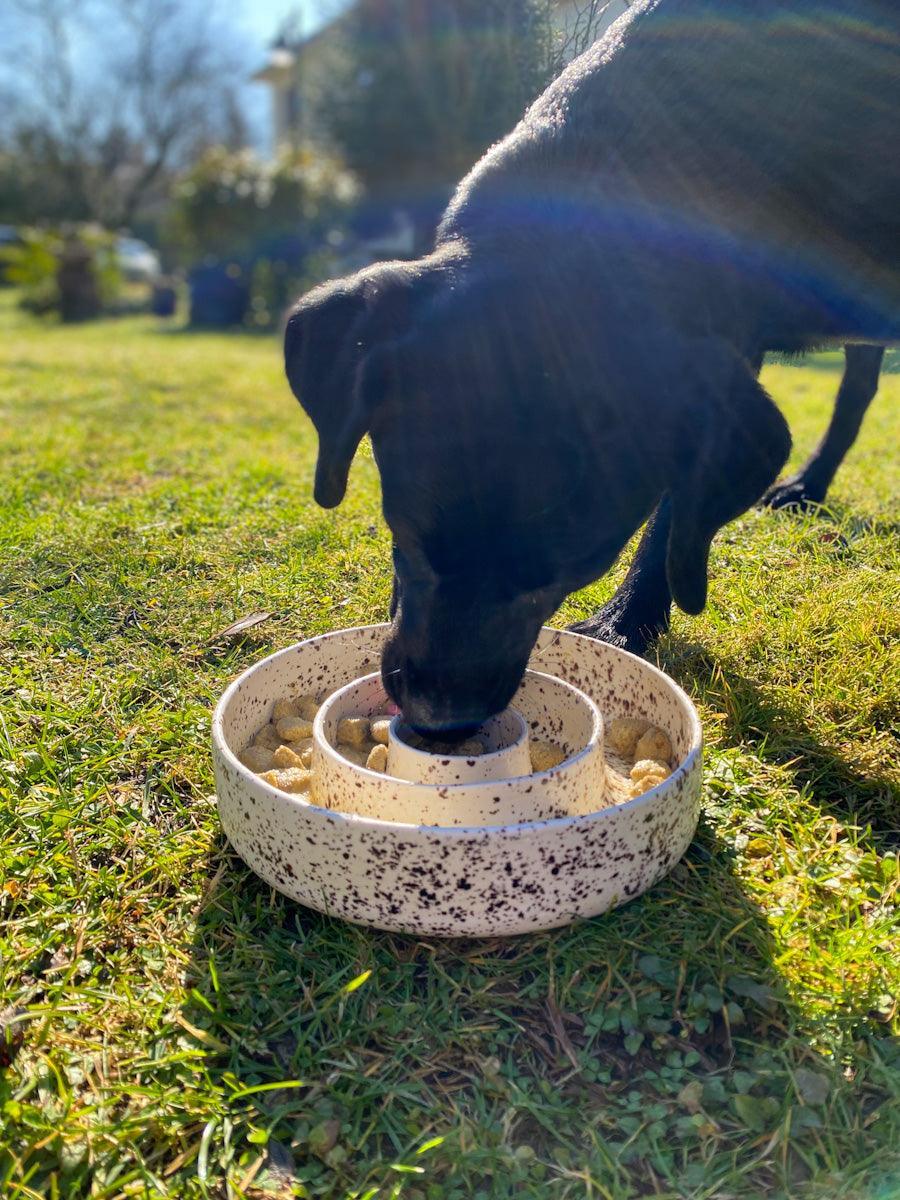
x,y
784,737
670,1006
654,1051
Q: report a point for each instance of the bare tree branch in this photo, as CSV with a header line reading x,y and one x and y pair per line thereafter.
x,y
109,125
583,32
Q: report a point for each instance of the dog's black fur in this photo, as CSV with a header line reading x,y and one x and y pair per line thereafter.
x,y
711,181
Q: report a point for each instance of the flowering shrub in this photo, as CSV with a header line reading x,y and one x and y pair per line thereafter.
x,y
235,206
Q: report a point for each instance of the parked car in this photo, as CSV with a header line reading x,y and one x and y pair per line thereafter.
x,y
136,260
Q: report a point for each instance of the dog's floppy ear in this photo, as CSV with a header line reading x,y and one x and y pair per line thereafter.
x,y
330,335
733,443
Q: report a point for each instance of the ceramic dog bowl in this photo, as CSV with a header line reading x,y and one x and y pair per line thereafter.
x,y
506,756
455,880
450,790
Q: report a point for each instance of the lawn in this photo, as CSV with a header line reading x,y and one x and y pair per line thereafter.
x,y
176,1029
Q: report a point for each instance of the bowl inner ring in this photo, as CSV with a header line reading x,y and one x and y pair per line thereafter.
x,y
504,736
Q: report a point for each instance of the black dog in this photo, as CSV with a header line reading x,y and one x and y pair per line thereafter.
x,y
640,610
711,181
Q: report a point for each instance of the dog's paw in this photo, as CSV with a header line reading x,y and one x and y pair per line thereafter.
x,y
614,624
797,493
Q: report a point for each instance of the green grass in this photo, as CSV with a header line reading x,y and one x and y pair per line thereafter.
x,y
189,1033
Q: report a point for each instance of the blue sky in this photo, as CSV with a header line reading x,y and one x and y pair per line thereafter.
x,y
263,17
256,21
262,20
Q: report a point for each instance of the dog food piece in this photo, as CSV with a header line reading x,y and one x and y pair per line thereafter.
x,y
284,708
294,729
258,758
624,733
286,756
303,749
268,738
470,749
545,756
650,766
307,707
647,774
645,783
377,760
639,786
354,754
353,731
293,780
380,728
654,744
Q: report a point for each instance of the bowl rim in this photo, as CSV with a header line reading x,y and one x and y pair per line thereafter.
x,y
598,730
524,828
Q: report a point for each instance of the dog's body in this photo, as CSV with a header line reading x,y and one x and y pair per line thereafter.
x,y
710,182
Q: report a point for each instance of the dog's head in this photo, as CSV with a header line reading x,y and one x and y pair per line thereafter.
x,y
523,433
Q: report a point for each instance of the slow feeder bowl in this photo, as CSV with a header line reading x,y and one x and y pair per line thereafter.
x,y
458,880
493,789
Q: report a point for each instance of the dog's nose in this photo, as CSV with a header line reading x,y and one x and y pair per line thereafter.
x,y
428,706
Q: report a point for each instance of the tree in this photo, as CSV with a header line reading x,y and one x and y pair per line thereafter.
x,y
422,87
587,22
93,129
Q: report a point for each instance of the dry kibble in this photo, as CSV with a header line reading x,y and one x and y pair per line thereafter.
x,y
307,707
545,756
268,738
380,729
293,729
639,786
285,756
353,731
303,749
471,749
624,733
284,708
257,758
292,780
650,766
645,776
377,760
654,744
355,754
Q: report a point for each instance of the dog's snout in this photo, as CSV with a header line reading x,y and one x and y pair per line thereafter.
x,y
430,705
446,693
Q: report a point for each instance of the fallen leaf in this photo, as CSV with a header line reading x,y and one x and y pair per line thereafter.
x,y
280,1162
559,1032
811,1087
239,627
323,1138
691,1096
202,1035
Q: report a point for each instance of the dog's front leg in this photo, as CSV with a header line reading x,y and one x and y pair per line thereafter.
x,y
639,611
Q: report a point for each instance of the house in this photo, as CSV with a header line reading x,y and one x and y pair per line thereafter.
x,y
387,225
296,65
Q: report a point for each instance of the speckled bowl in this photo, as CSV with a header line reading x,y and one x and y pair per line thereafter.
x,y
551,708
457,880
